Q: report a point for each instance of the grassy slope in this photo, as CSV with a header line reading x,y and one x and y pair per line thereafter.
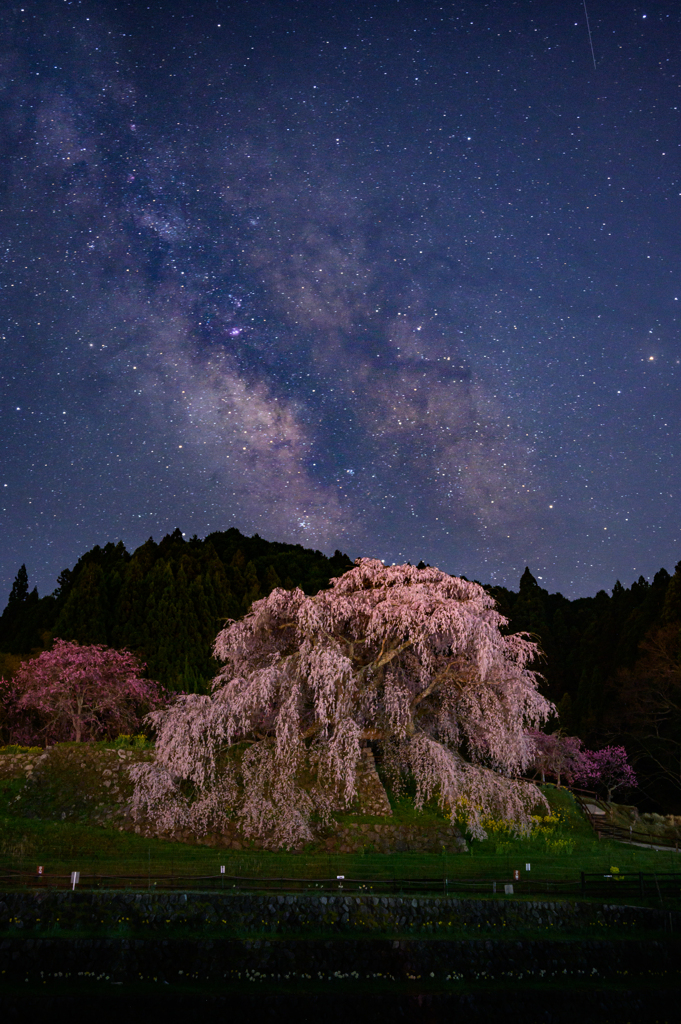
x,y
62,846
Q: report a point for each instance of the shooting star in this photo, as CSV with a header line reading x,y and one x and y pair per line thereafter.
x,y
588,28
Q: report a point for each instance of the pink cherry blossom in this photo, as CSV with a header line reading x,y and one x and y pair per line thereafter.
x,y
411,660
75,692
557,755
608,767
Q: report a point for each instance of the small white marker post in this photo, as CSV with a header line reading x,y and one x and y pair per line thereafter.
x,y
527,867
75,878
340,879
222,869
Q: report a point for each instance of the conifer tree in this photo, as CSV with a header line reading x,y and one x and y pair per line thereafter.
x,y
19,591
272,580
85,616
528,612
671,610
131,607
252,587
17,628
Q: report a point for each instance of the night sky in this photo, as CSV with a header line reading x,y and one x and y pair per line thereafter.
x,y
400,278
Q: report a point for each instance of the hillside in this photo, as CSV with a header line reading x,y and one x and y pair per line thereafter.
x,y
166,602
74,800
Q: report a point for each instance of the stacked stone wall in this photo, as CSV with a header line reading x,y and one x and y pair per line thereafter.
x,y
279,913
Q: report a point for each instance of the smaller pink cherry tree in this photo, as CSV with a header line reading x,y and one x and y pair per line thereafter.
x,y
608,767
411,660
81,693
556,755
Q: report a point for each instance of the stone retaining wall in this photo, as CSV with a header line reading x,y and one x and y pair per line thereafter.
x,y
386,837
380,836
288,914
17,766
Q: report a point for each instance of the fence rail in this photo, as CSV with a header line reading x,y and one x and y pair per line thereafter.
x,y
607,830
588,884
633,883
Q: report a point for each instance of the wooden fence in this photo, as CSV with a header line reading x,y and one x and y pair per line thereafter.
x,y
606,830
611,886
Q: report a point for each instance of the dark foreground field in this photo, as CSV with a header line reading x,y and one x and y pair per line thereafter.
x,y
140,941
171,956
549,1003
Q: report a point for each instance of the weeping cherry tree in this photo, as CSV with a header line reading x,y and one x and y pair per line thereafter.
x,y
413,661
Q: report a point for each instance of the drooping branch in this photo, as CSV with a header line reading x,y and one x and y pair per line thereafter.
x,y
447,673
411,659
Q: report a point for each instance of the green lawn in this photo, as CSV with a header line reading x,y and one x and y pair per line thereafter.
x,y
569,848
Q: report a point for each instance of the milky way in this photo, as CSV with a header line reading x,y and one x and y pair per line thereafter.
x,y
395,278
